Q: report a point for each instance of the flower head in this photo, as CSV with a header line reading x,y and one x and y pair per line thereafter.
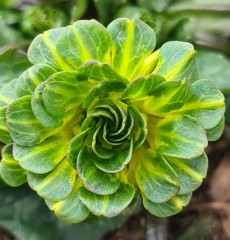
x,y
101,117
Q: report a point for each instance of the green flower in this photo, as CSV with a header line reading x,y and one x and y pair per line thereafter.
x,y
100,118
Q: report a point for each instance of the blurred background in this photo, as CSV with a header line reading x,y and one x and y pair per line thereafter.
x,y
206,24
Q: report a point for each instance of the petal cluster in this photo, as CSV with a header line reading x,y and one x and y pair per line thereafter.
x,y
101,117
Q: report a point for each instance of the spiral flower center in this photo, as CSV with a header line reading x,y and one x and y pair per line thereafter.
x,y
114,125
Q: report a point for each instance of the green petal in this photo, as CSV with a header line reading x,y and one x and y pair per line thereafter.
x,y
117,162
110,205
206,104
141,88
95,180
75,146
10,170
43,50
40,112
215,133
134,41
169,208
168,96
7,93
32,77
177,62
103,88
64,91
191,172
83,41
140,127
71,209
179,136
55,185
155,177
94,70
43,157
4,133
24,128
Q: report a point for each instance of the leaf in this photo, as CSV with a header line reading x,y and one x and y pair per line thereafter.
x,y
12,64
167,97
83,41
215,133
110,205
215,67
142,87
134,42
71,209
191,172
169,208
18,205
206,104
117,162
156,5
79,8
95,180
32,77
24,128
177,62
179,136
64,91
36,19
155,177
4,133
55,185
10,170
43,157
107,8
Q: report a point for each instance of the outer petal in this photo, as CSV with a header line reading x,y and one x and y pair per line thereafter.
x,y
83,41
191,172
10,170
155,177
71,209
134,41
4,134
24,128
177,62
67,48
179,136
206,104
110,205
43,157
169,208
55,185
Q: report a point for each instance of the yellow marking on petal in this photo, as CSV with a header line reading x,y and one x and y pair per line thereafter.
x,y
51,175
62,64
127,48
186,169
176,70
